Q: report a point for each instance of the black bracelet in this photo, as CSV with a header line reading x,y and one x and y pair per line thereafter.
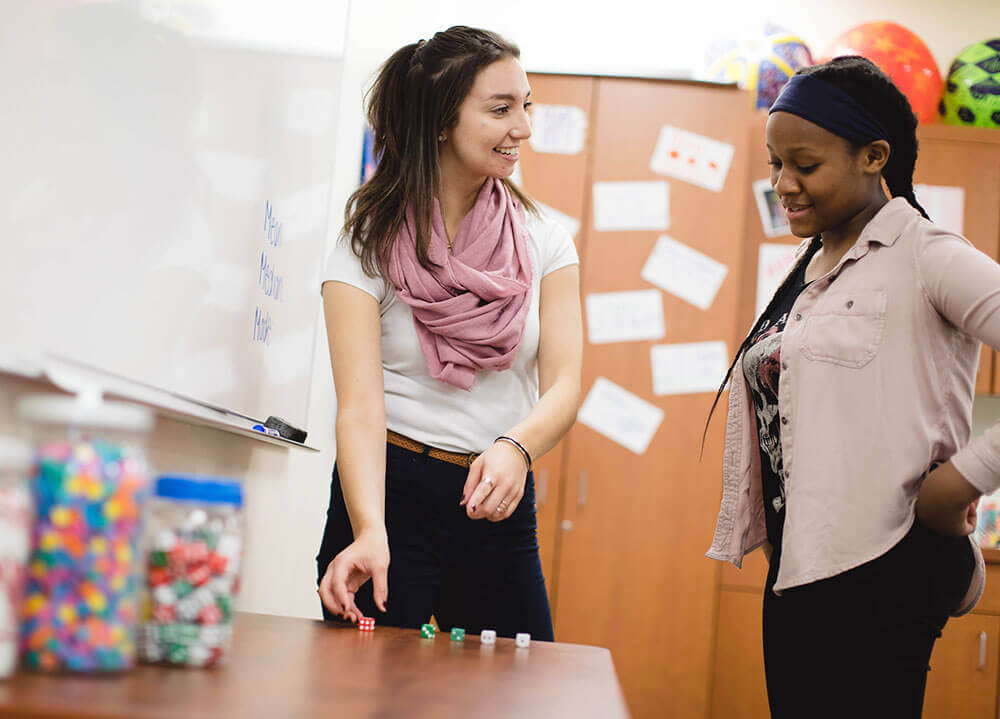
x,y
505,438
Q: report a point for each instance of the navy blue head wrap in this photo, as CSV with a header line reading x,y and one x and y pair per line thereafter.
x,y
829,107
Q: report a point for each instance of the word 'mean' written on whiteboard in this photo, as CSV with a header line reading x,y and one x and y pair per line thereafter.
x,y
272,227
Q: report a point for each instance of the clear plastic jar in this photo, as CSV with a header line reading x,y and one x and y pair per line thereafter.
x,y
192,545
89,482
16,516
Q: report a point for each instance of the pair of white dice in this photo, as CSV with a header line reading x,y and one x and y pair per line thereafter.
x,y
489,636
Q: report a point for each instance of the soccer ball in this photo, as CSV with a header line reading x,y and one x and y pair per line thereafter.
x,y
760,64
972,91
902,56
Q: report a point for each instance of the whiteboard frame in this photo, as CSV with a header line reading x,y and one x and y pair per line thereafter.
x,y
74,377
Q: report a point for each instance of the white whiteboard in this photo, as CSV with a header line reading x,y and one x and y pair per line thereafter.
x,y
165,190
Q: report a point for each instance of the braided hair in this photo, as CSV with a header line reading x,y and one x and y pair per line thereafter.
x,y
877,93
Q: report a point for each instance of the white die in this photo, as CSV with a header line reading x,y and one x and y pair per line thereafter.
x,y
522,640
489,636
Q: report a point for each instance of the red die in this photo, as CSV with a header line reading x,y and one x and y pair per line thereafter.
x,y
366,624
158,576
199,575
178,557
197,551
217,563
164,613
210,614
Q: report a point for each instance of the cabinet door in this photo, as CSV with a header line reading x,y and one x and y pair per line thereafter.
x,y
632,572
558,181
963,677
738,688
548,474
970,159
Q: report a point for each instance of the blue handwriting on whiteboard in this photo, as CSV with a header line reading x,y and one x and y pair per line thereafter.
x,y
261,326
272,227
269,280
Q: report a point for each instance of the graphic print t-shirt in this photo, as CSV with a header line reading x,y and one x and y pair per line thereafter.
x,y
762,369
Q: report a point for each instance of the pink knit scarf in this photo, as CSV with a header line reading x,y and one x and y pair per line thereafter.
x,y
470,310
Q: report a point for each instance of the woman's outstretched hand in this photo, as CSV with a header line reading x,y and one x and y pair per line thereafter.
x,y
367,557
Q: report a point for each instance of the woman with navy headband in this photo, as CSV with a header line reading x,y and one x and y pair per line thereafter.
x,y
847,451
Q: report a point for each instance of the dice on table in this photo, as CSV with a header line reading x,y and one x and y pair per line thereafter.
x,y
366,624
489,636
427,631
457,634
522,640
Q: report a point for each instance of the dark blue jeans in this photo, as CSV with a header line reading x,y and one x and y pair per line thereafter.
x,y
473,574
859,644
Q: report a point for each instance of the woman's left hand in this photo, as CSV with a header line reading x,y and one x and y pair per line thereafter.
x,y
495,484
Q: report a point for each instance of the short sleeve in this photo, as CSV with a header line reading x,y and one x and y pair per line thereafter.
x,y
342,265
558,250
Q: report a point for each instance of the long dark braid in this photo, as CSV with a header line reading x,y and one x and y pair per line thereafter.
x,y
877,93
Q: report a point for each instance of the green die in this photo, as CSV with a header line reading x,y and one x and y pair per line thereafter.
x,y
457,634
178,654
427,631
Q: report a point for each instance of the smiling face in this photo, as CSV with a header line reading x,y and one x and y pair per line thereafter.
x,y
823,181
492,123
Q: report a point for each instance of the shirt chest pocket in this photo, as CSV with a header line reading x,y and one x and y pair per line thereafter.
x,y
846,329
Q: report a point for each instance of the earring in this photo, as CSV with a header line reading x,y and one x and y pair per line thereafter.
x,y
441,137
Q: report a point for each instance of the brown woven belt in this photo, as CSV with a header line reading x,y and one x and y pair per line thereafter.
x,y
462,460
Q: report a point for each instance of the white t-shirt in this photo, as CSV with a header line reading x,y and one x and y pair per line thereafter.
x,y
437,413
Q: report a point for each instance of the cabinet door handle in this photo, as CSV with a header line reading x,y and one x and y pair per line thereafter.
x,y
566,526
542,487
581,493
982,651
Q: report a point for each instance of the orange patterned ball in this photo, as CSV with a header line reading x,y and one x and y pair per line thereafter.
x,y
902,56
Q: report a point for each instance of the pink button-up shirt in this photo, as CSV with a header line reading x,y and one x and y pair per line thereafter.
x,y
879,361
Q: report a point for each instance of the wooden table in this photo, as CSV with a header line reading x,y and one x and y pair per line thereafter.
x,y
287,668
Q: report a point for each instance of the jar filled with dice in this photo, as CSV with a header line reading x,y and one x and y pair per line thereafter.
x,y
192,544
88,482
16,516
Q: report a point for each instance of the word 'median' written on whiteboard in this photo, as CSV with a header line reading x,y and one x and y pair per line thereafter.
x,y
689,367
625,316
631,205
620,415
684,272
559,129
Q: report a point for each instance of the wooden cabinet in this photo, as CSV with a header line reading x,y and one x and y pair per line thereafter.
x,y
631,572
738,688
962,681
968,158
623,535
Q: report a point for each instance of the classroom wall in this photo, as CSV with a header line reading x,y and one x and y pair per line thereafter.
x,y
287,490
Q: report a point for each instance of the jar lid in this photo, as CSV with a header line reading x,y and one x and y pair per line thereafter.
x,y
218,490
84,412
15,455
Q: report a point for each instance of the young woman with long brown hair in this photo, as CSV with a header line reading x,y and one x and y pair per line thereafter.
x,y
453,318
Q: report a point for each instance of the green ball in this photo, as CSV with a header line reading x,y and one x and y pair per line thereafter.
x,y
972,90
